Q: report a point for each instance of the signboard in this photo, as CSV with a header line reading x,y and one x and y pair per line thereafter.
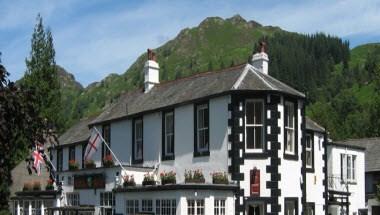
x,y
93,181
255,182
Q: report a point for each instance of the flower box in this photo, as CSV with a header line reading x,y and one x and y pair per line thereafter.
x,y
148,180
49,185
195,176
219,178
36,185
129,181
168,178
108,161
28,186
73,165
89,164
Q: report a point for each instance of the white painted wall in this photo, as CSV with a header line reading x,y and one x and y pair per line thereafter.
x,y
290,170
181,197
357,198
314,180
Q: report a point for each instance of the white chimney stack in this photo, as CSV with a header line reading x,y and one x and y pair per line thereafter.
x,y
260,60
151,72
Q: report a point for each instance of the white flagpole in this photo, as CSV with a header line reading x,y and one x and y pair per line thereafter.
x,y
113,154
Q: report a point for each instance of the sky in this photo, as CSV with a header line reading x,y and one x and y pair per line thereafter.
x,y
93,39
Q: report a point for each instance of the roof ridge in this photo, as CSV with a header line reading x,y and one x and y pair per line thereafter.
x,y
253,69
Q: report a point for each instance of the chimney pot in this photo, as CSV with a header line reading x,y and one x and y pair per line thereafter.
x,y
260,60
151,71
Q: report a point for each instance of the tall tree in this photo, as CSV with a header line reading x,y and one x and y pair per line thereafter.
x,y
41,74
21,127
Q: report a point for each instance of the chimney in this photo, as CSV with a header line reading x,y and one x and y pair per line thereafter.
x,y
260,60
151,71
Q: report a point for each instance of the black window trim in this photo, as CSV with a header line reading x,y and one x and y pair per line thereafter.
x,y
59,157
165,157
196,152
134,160
310,169
295,155
70,149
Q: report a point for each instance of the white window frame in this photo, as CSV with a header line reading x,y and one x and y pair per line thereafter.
x,y
131,206
73,199
107,201
258,149
287,211
220,207
169,148
146,205
349,168
205,147
138,140
198,203
290,146
309,149
166,206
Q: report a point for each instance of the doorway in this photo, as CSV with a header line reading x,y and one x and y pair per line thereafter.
x,y
256,208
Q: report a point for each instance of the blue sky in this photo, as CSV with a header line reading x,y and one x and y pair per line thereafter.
x,y
95,38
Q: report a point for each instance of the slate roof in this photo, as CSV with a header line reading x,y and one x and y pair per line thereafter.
x,y
311,125
372,151
186,90
77,133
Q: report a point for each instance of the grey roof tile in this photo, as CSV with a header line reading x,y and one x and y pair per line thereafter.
x,y
77,133
311,125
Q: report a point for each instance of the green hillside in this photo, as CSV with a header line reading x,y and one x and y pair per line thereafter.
x,y
320,65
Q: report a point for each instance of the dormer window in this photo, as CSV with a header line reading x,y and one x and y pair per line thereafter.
x,y
254,125
137,140
201,146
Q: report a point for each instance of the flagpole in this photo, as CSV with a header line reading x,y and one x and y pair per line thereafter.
x,y
105,143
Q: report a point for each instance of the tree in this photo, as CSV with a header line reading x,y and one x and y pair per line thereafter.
x,y
41,74
20,128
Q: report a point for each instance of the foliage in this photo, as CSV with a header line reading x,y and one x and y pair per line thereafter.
x,y
21,127
73,165
168,177
129,180
219,178
148,179
195,176
41,74
108,161
49,185
89,164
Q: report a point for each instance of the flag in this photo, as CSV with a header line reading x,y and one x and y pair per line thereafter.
x,y
93,144
37,160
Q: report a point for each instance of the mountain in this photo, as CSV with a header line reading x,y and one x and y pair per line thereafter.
x,y
320,65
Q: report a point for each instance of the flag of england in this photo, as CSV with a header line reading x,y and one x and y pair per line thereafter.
x,y
93,144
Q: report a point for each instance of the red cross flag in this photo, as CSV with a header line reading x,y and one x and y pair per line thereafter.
x,y
93,144
37,157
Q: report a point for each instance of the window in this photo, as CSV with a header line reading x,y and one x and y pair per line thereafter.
x,y
106,134
195,207
201,130
107,201
256,208
291,206
146,205
254,124
166,207
138,140
83,152
168,135
59,159
219,207
290,130
309,210
72,153
309,151
348,167
131,207
72,199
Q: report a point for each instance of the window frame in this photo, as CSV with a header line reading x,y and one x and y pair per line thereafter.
x,y
73,198
196,206
220,209
348,172
165,154
146,205
204,151
137,160
263,125
72,150
291,155
310,205
294,200
107,138
135,206
59,159
160,207
311,149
